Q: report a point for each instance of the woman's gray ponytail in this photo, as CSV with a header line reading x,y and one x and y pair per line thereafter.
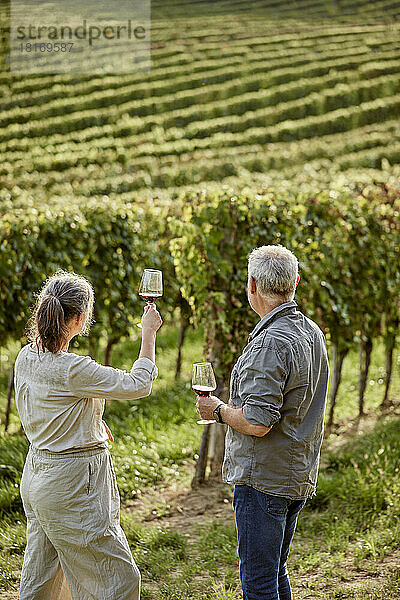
x,y
63,296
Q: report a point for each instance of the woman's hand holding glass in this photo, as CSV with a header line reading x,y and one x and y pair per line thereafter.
x,y
151,286
151,319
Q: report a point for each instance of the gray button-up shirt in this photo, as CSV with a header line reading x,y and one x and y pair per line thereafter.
x,y
280,381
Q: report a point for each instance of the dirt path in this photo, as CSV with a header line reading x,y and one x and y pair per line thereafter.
x,y
181,508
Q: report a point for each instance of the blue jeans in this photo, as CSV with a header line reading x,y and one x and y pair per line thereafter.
x,y
265,526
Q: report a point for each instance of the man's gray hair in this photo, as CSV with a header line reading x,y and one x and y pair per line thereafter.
x,y
275,270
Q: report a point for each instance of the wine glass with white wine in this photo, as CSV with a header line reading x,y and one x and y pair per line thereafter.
x,y
151,286
203,383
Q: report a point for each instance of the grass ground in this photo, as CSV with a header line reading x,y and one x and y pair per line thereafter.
x,y
347,543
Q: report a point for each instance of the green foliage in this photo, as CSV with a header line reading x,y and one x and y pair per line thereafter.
x,y
346,246
109,244
156,435
363,478
12,457
345,242
212,109
213,237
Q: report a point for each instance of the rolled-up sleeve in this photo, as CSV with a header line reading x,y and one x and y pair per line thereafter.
x,y
87,378
261,385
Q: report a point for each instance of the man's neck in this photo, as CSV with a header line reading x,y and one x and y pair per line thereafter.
x,y
268,307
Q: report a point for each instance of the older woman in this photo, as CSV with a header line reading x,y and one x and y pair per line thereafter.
x,y
75,545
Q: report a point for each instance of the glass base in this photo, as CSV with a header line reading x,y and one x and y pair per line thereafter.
x,y
205,422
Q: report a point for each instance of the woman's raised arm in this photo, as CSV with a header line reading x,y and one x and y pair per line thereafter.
x,y
88,378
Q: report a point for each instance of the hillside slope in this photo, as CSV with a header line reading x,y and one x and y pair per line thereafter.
x,y
294,91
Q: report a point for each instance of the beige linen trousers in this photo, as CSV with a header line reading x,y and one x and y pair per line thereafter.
x,y
76,549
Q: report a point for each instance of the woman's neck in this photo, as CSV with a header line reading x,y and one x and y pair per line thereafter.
x,y
63,349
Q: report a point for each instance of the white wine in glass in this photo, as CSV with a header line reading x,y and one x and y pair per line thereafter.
x,y
203,383
151,286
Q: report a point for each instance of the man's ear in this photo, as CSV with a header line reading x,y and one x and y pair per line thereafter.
x,y
253,285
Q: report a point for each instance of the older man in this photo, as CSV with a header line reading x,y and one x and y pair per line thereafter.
x,y
275,422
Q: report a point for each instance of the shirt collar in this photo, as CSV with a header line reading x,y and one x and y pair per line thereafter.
x,y
269,317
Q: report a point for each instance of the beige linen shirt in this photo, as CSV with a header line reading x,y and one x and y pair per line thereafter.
x,y
60,397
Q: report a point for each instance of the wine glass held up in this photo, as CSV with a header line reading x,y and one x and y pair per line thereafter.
x,y
203,383
151,286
